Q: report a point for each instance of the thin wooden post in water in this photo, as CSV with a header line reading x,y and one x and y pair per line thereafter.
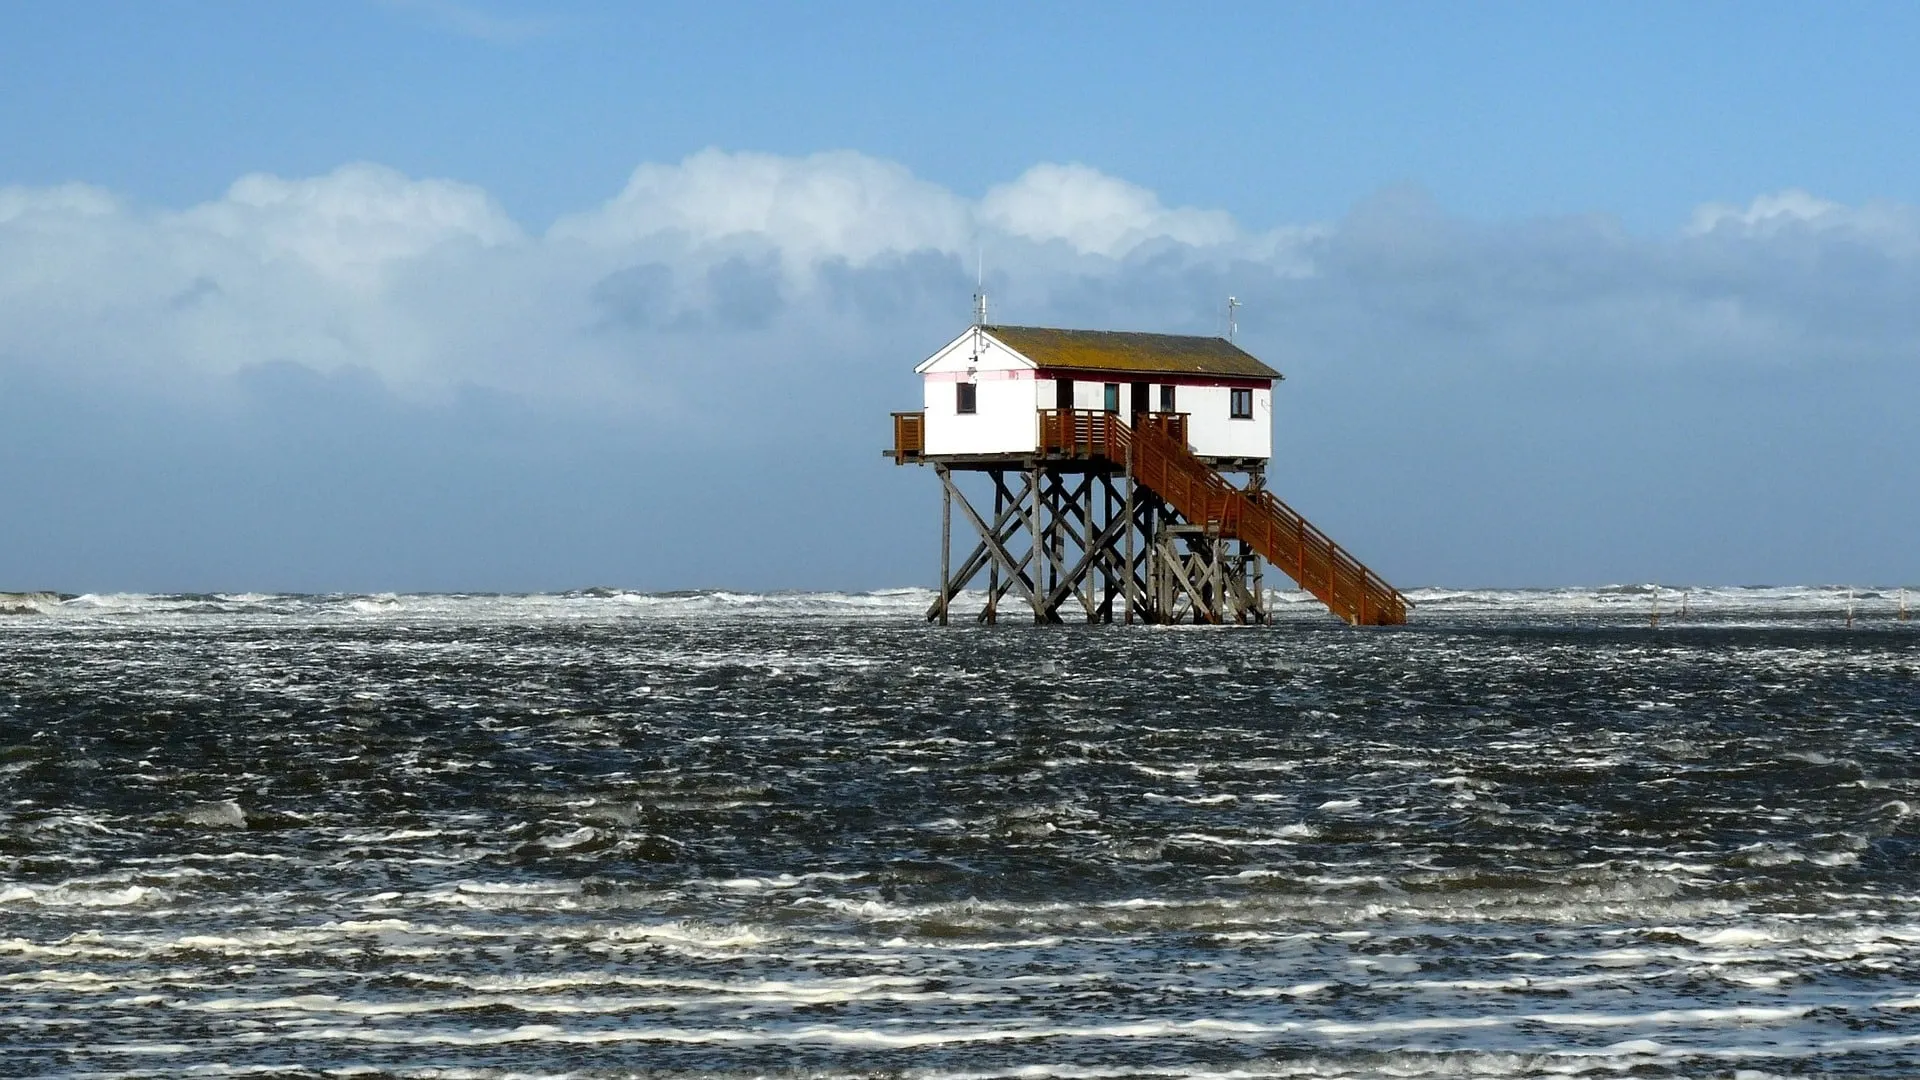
x,y
946,548
1654,619
1262,613
1128,582
1039,552
992,612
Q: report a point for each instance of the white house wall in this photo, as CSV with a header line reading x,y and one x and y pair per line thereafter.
x,y
1005,419
1211,429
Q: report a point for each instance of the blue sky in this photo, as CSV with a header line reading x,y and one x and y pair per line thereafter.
x,y
506,296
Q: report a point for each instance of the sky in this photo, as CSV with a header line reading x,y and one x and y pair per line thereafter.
x,y
501,296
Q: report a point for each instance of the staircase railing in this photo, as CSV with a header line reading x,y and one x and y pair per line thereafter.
x,y
1157,453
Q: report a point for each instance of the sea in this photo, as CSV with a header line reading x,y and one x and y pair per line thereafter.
x,y
1592,832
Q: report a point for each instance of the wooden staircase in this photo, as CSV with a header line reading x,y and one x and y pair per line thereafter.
x,y
1157,455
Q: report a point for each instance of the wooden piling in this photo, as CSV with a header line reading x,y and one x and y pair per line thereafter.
x,y
946,551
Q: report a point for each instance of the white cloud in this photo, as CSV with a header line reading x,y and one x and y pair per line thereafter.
x,y
1096,214
844,205
348,224
48,204
730,260
831,205
1765,212
1886,227
315,272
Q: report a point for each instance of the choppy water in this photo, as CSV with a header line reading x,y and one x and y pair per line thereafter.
x,y
608,834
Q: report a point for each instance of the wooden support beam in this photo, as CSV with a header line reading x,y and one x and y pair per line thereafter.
x,y
1006,523
990,613
995,549
1033,593
1026,560
1097,535
1090,557
946,545
1071,519
1133,527
1189,573
1047,542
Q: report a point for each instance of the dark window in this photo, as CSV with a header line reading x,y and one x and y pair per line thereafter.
x,y
1112,400
1063,394
1166,398
1242,405
966,398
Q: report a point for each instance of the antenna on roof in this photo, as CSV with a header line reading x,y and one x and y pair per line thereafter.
x,y
980,289
1232,302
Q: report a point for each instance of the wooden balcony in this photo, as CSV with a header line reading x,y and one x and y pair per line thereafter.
x,y
909,436
1096,433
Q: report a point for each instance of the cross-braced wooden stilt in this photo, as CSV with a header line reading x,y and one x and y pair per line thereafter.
x,y
1082,537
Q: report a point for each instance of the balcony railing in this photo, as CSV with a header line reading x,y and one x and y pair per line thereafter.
x,y
909,436
1094,433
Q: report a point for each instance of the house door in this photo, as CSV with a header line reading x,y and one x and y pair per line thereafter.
x,y
1140,400
1063,393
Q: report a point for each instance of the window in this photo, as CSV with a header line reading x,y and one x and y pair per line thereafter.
x,y
1112,399
1166,398
966,398
1242,405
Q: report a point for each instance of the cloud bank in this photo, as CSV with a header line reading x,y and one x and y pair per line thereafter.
x,y
1456,368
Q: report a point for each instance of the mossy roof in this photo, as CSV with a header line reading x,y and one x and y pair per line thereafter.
x,y
1114,350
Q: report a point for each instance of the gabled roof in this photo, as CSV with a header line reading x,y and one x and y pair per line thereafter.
x,y
1113,350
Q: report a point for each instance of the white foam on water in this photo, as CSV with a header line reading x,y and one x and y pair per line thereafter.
x,y
563,996
1644,952
1720,605
727,937
226,814
885,1038
1687,1017
1770,1044
84,895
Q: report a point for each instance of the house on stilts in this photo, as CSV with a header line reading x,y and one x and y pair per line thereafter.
x,y
1110,456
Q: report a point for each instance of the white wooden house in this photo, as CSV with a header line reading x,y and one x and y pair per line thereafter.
x,y
985,389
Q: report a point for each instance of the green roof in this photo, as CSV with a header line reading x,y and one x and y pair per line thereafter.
x,y
1114,350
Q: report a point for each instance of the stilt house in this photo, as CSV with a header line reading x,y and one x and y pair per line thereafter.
x,y
1109,454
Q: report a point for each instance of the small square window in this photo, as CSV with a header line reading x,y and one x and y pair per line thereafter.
x,y
1166,398
966,399
1111,400
1242,405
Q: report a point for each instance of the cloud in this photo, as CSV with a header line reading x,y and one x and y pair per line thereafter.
x,y
347,269
349,224
1475,378
429,285
839,205
1096,214
1764,213
55,204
